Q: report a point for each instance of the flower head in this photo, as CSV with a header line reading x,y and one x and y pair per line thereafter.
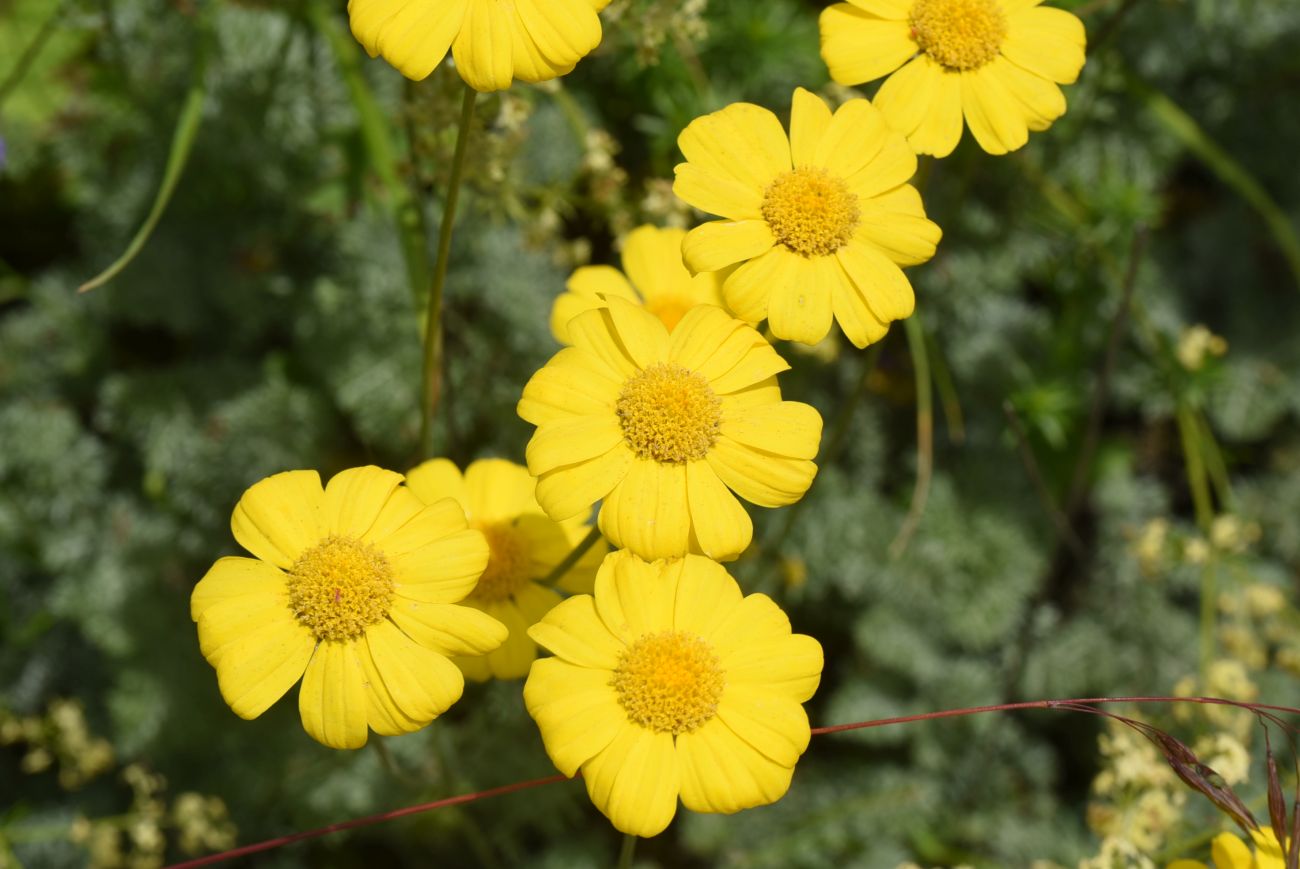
x,y
997,63
667,683
492,42
524,546
352,589
653,275
1229,852
821,220
664,428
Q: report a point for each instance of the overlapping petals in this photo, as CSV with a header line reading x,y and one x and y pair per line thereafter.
x,y
743,751
525,546
1001,101
394,676
492,42
735,158
762,447
653,275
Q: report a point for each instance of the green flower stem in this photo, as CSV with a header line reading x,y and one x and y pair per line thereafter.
x,y
1198,482
377,138
626,853
572,558
23,65
924,434
431,379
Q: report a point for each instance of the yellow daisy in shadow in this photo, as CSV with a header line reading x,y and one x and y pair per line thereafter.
x,y
492,42
1229,852
653,275
664,429
670,683
821,220
352,589
997,63
524,546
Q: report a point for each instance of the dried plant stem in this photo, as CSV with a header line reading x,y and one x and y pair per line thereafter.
x,y
924,435
431,379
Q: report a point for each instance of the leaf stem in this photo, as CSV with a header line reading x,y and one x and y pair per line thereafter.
x,y
626,853
573,557
924,435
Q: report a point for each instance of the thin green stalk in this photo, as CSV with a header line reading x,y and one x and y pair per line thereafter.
x,y
924,435
1194,459
33,50
377,138
627,852
187,129
1209,616
431,389
948,399
573,557
1214,463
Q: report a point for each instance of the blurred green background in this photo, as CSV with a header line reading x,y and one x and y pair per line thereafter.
x,y
270,323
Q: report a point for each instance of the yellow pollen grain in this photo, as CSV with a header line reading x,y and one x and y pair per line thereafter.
x,y
669,413
340,587
509,566
811,211
669,682
959,34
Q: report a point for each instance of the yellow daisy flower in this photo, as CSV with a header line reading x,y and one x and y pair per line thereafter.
x,y
1229,852
524,545
665,428
655,277
352,588
669,683
995,62
492,42
822,220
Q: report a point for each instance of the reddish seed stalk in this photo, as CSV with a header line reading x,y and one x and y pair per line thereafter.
x,y
1072,705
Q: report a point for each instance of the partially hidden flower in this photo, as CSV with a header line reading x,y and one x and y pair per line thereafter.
x,y
995,63
1228,851
353,589
653,275
664,429
492,42
821,220
669,683
524,546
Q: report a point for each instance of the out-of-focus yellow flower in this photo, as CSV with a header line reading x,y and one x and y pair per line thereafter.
x,y
492,42
820,220
653,276
524,545
1196,345
671,683
353,589
995,63
1228,851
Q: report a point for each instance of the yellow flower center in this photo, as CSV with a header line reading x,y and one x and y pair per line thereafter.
x,y
509,566
340,587
669,682
669,413
959,34
669,309
811,211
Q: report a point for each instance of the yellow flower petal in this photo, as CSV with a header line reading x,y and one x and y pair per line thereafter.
x,y
257,659
762,393
278,518
765,480
647,512
535,601
787,428
720,772
444,571
382,713
573,383
565,492
421,682
748,290
994,116
882,283
529,63
709,341
233,577
353,499
642,335
775,725
412,35
573,631
576,711
895,224
563,30
483,48
851,310
706,595
448,629
574,440
742,141
893,165
652,258
585,288
800,309
512,659
790,664
895,10
431,522
1046,41
634,597
332,700
714,193
595,333
758,365
401,508
720,243
923,102
1041,101
853,141
634,781
809,119
720,526
859,47
436,479
498,491
1229,852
